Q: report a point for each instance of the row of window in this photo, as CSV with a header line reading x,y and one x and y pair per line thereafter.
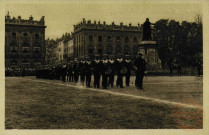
x,y
24,51
24,44
109,39
25,35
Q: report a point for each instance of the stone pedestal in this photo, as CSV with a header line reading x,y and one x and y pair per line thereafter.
x,y
150,54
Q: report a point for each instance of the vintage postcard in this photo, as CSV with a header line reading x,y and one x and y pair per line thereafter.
x,y
104,67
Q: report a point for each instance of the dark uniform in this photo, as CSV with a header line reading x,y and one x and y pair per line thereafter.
x,y
199,67
76,71
128,65
119,65
111,65
88,68
70,72
82,71
51,73
23,72
104,74
140,65
97,66
179,69
64,73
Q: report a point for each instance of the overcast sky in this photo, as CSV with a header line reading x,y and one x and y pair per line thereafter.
x,y
60,18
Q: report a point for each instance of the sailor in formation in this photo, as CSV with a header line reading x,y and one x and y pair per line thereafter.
x,y
103,71
119,68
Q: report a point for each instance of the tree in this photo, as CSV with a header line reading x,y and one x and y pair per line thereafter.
x,y
160,34
181,42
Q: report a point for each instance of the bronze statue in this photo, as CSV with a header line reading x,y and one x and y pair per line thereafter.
x,y
147,30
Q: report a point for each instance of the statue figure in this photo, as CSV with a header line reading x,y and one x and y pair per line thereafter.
x,y
42,19
147,30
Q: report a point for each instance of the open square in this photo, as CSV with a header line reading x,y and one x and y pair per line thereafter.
x,y
169,103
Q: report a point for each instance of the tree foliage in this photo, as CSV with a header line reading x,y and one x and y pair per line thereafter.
x,y
180,43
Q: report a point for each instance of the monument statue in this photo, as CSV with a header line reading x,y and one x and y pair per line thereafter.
x,y
149,48
147,30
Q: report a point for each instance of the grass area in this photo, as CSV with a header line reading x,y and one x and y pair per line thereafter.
x,y
36,105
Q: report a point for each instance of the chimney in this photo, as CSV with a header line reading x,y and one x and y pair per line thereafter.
x,y
121,24
19,17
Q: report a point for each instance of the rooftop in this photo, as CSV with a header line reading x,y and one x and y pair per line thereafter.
x,y
98,25
20,21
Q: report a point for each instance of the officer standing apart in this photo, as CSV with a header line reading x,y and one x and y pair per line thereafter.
x,y
140,67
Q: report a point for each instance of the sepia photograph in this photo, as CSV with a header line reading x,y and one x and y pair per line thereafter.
x,y
103,65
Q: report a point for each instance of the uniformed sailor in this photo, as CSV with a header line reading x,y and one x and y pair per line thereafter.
x,y
111,66
97,66
128,65
82,70
88,70
118,65
64,72
104,74
76,70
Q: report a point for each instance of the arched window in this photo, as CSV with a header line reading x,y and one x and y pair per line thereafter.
x,y
36,36
109,49
90,39
135,39
25,35
117,39
13,44
126,39
100,39
135,50
109,39
13,35
25,44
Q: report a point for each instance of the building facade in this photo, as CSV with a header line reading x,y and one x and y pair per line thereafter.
x,y
52,52
68,50
61,50
24,42
97,38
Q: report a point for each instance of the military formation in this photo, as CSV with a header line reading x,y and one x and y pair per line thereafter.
x,y
101,71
